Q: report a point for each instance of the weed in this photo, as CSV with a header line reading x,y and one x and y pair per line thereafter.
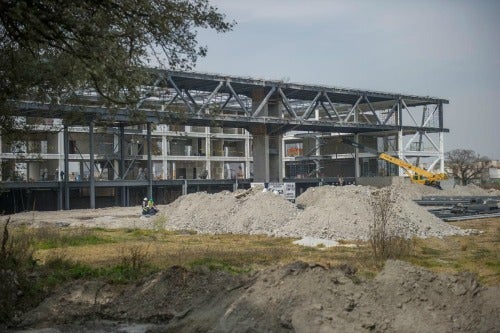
x,y
430,251
134,257
216,264
51,237
16,264
387,242
160,222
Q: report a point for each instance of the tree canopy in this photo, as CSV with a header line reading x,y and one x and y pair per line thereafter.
x,y
465,164
52,47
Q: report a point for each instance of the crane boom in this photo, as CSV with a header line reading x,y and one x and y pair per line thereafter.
x,y
416,174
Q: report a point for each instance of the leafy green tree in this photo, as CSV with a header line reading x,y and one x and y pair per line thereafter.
x,y
465,164
50,48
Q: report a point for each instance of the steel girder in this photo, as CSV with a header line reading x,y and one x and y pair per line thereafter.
x,y
174,97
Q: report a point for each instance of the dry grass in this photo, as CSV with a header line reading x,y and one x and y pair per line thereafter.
x,y
165,249
477,253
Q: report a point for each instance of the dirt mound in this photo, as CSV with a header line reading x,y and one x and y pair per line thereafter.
x,y
256,213
333,212
299,297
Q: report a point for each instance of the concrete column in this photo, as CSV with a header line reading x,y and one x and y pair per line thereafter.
x,y
267,147
261,158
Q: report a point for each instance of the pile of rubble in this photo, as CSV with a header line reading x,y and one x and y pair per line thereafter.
x,y
327,212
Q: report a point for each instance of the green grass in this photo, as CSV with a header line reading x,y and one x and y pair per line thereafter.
x,y
216,265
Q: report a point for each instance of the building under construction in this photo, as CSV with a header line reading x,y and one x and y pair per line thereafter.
x,y
202,132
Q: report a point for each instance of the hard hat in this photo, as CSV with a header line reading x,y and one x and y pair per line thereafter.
x,y
145,199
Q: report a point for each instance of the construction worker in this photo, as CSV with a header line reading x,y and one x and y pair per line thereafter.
x,y
145,207
152,207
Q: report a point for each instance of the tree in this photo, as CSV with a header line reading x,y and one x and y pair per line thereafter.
x,y
50,48
466,164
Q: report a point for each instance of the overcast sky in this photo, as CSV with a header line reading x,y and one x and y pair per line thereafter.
x,y
447,49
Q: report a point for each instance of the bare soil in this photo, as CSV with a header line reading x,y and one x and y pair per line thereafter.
x,y
299,297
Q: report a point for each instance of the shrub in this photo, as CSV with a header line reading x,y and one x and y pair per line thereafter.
x,y
16,263
387,241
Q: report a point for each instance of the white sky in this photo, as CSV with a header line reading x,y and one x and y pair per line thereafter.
x,y
447,49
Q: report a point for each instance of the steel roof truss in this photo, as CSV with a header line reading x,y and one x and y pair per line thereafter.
x,y
326,110
173,99
179,93
408,111
389,115
141,101
230,95
364,116
352,109
372,109
311,106
332,106
212,94
429,117
264,102
287,104
238,99
191,98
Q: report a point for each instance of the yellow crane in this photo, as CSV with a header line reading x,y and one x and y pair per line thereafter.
x,y
417,175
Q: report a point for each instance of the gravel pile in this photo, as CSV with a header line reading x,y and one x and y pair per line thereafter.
x,y
327,212
256,213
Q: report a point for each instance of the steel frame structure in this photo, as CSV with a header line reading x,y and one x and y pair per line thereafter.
x,y
201,99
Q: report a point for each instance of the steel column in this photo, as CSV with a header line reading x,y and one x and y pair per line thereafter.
x,y
150,169
92,166
66,167
122,164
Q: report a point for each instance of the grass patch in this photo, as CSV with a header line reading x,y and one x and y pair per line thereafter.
x,y
55,256
52,238
430,251
216,264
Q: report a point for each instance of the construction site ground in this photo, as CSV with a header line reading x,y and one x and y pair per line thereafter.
x,y
234,263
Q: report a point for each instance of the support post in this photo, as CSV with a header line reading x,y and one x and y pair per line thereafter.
x,y
357,168
92,166
441,152
123,193
66,167
150,169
